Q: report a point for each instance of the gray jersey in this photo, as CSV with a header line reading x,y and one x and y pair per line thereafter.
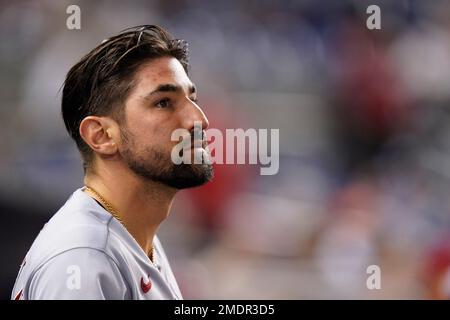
x,y
85,253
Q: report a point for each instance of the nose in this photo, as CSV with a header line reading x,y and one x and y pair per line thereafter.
x,y
193,115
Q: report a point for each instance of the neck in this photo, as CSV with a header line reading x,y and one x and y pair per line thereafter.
x,y
141,205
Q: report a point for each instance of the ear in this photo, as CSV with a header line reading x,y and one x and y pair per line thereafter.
x,y
100,133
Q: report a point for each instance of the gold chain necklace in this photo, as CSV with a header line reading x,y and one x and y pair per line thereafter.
x,y
114,213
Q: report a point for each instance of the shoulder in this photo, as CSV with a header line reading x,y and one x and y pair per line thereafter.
x,y
79,223
76,241
78,273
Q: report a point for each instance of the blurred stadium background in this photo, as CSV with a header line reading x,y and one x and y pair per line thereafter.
x,y
363,116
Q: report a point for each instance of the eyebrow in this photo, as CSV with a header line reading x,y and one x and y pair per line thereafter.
x,y
169,87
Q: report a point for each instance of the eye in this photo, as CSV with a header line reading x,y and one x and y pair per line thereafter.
x,y
164,103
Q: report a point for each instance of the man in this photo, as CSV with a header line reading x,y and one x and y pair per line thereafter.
x,y
120,104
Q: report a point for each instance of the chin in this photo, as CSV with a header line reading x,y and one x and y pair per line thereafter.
x,y
190,176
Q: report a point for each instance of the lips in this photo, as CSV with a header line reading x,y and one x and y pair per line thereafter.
x,y
203,145
199,138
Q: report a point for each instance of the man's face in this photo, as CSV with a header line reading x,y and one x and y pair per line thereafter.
x,y
162,100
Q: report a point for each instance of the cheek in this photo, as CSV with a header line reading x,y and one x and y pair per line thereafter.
x,y
142,126
150,135
152,128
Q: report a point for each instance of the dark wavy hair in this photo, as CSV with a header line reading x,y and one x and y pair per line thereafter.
x,y
101,81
